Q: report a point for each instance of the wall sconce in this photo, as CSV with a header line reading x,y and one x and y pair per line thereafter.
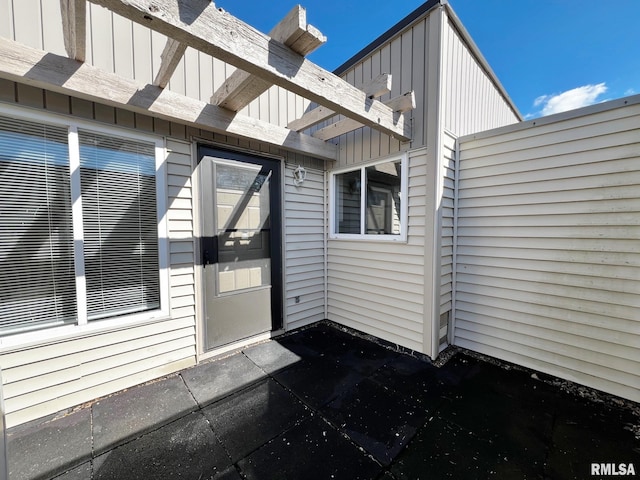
x,y
299,176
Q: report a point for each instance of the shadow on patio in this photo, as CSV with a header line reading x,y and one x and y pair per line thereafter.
x,y
321,403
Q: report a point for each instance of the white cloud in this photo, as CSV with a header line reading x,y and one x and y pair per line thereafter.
x,y
571,99
629,92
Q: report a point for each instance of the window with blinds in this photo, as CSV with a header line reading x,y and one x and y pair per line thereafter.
x,y
37,284
117,253
118,187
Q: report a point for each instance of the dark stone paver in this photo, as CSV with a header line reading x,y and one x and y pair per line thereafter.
x,y
128,414
82,472
318,382
245,421
376,418
215,380
43,451
321,403
271,356
186,449
310,450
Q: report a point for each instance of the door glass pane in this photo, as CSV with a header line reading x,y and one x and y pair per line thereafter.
x,y
243,227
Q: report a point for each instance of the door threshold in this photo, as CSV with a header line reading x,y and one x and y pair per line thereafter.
x,y
239,345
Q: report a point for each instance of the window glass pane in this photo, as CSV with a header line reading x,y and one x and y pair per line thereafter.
x,y
120,225
348,193
383,199
37,285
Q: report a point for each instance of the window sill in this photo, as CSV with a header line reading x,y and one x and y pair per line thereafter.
x,y
46,336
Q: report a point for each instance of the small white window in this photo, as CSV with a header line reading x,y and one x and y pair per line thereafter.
x,y
370,202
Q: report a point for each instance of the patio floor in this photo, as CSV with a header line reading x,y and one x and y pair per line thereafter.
x,y
324,404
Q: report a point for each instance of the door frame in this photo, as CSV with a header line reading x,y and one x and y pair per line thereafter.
x,y
247,155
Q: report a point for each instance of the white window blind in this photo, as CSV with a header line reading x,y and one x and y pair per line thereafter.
x,y
118,187
37,279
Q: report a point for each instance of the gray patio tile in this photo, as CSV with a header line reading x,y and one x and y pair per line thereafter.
x,y
310,450
215,380
83,472
50,448
185,449
228,474
318,382
272,356
246,420
139,410
377,419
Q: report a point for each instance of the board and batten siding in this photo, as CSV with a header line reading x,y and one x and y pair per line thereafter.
x,y
304,248
472,98
378,287
405,57
133,51
548,258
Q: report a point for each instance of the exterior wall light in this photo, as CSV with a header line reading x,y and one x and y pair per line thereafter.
x,y
299,176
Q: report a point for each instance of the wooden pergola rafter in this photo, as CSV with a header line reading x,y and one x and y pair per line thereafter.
x,y
262,61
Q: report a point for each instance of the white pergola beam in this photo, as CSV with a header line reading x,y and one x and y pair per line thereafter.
x,y
241,88
60,74
400,104
171,56
375,88
200,25
74,27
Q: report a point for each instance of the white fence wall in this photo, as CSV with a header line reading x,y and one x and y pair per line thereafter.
x,y
548,257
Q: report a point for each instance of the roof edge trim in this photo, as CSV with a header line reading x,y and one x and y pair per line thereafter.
x,y
389,34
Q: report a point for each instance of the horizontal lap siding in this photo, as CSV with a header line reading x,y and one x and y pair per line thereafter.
x,y
378,287
548,260
304,248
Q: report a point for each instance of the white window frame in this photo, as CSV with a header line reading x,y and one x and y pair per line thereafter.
x,y
83,326
404,211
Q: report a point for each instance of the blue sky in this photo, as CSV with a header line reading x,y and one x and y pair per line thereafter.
x,y
550,55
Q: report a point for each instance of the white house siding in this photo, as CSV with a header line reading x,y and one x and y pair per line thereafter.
x,y
44,378
472,98
378,287
120,46
447,234
548,259
405,57
304,248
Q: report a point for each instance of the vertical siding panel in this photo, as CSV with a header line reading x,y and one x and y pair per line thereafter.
x,y
377,68
358,150
191,73
101,37
123,47
205,68
142,54
6,19
418,82
548,265
52,37
26,30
